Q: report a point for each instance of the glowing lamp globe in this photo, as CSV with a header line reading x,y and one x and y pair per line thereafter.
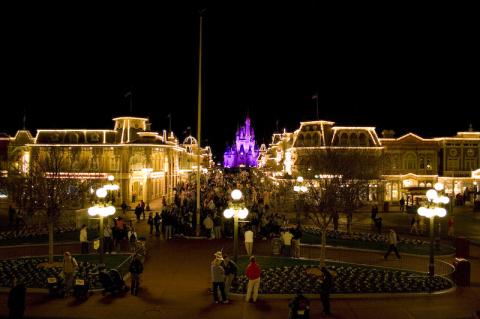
x,y
101,192
438,186
431,194
242,213
300,179
422,211
228,213
296,188
110,178
440,212
236,194
92,211
303,189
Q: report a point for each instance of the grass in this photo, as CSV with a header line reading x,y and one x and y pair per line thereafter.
x,y
309,238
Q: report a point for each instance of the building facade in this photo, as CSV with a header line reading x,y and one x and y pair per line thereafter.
x,y
146,165
244,152
410,164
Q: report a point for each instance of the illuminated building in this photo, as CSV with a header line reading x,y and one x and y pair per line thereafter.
x,y
147,165
410,164
244,153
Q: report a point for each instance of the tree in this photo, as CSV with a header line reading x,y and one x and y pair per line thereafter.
x,y
55,182
340,183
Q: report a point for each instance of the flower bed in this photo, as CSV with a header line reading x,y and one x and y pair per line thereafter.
x,y
28,272
373,241
350,278
35,236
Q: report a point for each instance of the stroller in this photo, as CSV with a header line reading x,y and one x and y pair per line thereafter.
x,y
112,282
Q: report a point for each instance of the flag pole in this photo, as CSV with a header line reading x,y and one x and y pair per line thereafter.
x,y
199,122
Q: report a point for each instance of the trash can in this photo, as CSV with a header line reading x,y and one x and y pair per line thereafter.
x,y
462,247
385,207
461,275
276,246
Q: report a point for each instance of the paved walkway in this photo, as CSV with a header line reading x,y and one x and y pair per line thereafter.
x,y
177,276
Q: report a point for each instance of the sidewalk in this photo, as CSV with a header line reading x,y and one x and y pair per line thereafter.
x,y
177,275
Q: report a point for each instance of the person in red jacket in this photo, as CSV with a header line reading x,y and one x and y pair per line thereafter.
x,y
253,275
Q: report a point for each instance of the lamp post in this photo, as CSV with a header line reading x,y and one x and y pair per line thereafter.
x,y
236,210
432,209
300,189
101,209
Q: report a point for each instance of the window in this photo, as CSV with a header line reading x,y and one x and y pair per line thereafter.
x,y
353,139
410,161
421,163
362,140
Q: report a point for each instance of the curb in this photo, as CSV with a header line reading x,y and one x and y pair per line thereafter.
x,y
353,295
373,251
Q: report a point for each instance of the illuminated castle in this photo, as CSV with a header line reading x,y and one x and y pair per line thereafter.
x,y
245,151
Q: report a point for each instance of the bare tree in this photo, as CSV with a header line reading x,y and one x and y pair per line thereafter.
x,y
56,182
340,183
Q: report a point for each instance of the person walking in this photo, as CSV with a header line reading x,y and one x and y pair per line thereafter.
x,y
218,277
217,226
150,222
249,241
142,209
107,239
297,236
70,266
84,239
16,299
136,268
208,224
451,227
138,212
287,243
414,225
392,241
402,204
156,221
124,207
253,273
230,272
325,289
132,239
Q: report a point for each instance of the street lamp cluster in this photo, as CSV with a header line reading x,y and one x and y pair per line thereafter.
x,y
103,209
236,210
432,209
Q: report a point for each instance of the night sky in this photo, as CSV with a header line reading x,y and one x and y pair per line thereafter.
x,y
406,69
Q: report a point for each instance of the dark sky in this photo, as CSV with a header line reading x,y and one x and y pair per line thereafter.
x,y
408,69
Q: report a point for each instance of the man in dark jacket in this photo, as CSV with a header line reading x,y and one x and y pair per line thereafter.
x,y
136,268
16,299
230,272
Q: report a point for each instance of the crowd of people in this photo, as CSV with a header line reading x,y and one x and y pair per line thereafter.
x,y
178,218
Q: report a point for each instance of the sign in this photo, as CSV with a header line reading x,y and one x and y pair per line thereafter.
x,y
79,282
